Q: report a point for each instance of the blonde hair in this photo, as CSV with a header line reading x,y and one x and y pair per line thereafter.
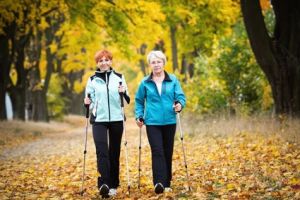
x,y
156,54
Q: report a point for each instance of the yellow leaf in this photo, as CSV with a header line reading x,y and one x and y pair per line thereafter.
x,y
294,181
230,187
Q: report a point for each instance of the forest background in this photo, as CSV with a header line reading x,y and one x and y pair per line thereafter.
x,y
237,62
48,48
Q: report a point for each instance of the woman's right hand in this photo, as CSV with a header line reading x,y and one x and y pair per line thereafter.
x,y
87,101
139,122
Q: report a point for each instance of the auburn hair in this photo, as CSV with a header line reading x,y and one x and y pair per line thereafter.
x,y
101,54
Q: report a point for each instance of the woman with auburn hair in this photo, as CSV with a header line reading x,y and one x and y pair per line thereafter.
x,y
107,120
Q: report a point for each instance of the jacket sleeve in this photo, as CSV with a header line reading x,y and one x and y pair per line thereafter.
x,y
89,89
140,101
126,93
179,95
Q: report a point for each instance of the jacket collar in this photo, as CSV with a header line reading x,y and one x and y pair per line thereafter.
x,y
167,77
109,70
100,74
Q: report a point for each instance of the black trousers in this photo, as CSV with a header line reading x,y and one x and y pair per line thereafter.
x,y
161,139
108,155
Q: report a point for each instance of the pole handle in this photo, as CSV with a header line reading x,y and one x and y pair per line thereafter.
x,y
141,119
121,95
87,106
176,102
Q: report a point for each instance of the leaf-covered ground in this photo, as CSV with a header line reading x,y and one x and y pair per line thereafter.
x,y
241,165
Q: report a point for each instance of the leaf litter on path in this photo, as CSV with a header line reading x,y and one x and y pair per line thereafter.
x,y
238,166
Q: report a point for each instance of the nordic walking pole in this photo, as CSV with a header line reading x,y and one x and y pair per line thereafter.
x,y
125,142
184,157
140,153
87,106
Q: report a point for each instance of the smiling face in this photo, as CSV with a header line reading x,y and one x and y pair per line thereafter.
x,y
157,65
104,63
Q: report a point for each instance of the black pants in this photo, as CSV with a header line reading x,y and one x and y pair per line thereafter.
x,y
161,139
108,155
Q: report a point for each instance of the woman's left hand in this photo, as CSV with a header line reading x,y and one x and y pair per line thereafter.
x,y
177,107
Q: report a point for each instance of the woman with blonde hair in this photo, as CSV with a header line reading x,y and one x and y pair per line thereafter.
x,y
158,98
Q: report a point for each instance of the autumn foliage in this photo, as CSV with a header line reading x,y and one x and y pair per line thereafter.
x,y
242,164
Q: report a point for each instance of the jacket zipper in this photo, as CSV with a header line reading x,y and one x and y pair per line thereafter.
x,y
160,96
106,77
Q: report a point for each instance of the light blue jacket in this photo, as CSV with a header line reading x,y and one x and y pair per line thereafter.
x,y
103,89
158,109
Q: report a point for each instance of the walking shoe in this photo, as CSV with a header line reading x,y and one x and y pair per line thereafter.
x,y
158,188
168,189
112,192
103,190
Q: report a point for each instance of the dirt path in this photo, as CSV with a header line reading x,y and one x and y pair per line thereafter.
x,y
53,144
65,142
245,165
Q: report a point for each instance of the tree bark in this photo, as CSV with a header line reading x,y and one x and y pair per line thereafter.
x,y
160,45
6,54
184,67
142,51
36,95
40,109
4,73
191,66
279,56
18,92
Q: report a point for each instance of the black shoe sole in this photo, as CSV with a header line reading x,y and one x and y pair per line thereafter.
x,y
106,196
104,190
159,189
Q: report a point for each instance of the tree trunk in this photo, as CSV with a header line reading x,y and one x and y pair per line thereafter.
x,y
142,51
49,33
287,46
191,69
143,66
191,66
20,36
37,105
174,48
184,67
160,45
6,55
37,101
19,90
18,95
4,74
278,57
39,110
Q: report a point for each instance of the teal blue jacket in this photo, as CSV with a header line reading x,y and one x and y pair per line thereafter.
x,y
158,109
106,102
